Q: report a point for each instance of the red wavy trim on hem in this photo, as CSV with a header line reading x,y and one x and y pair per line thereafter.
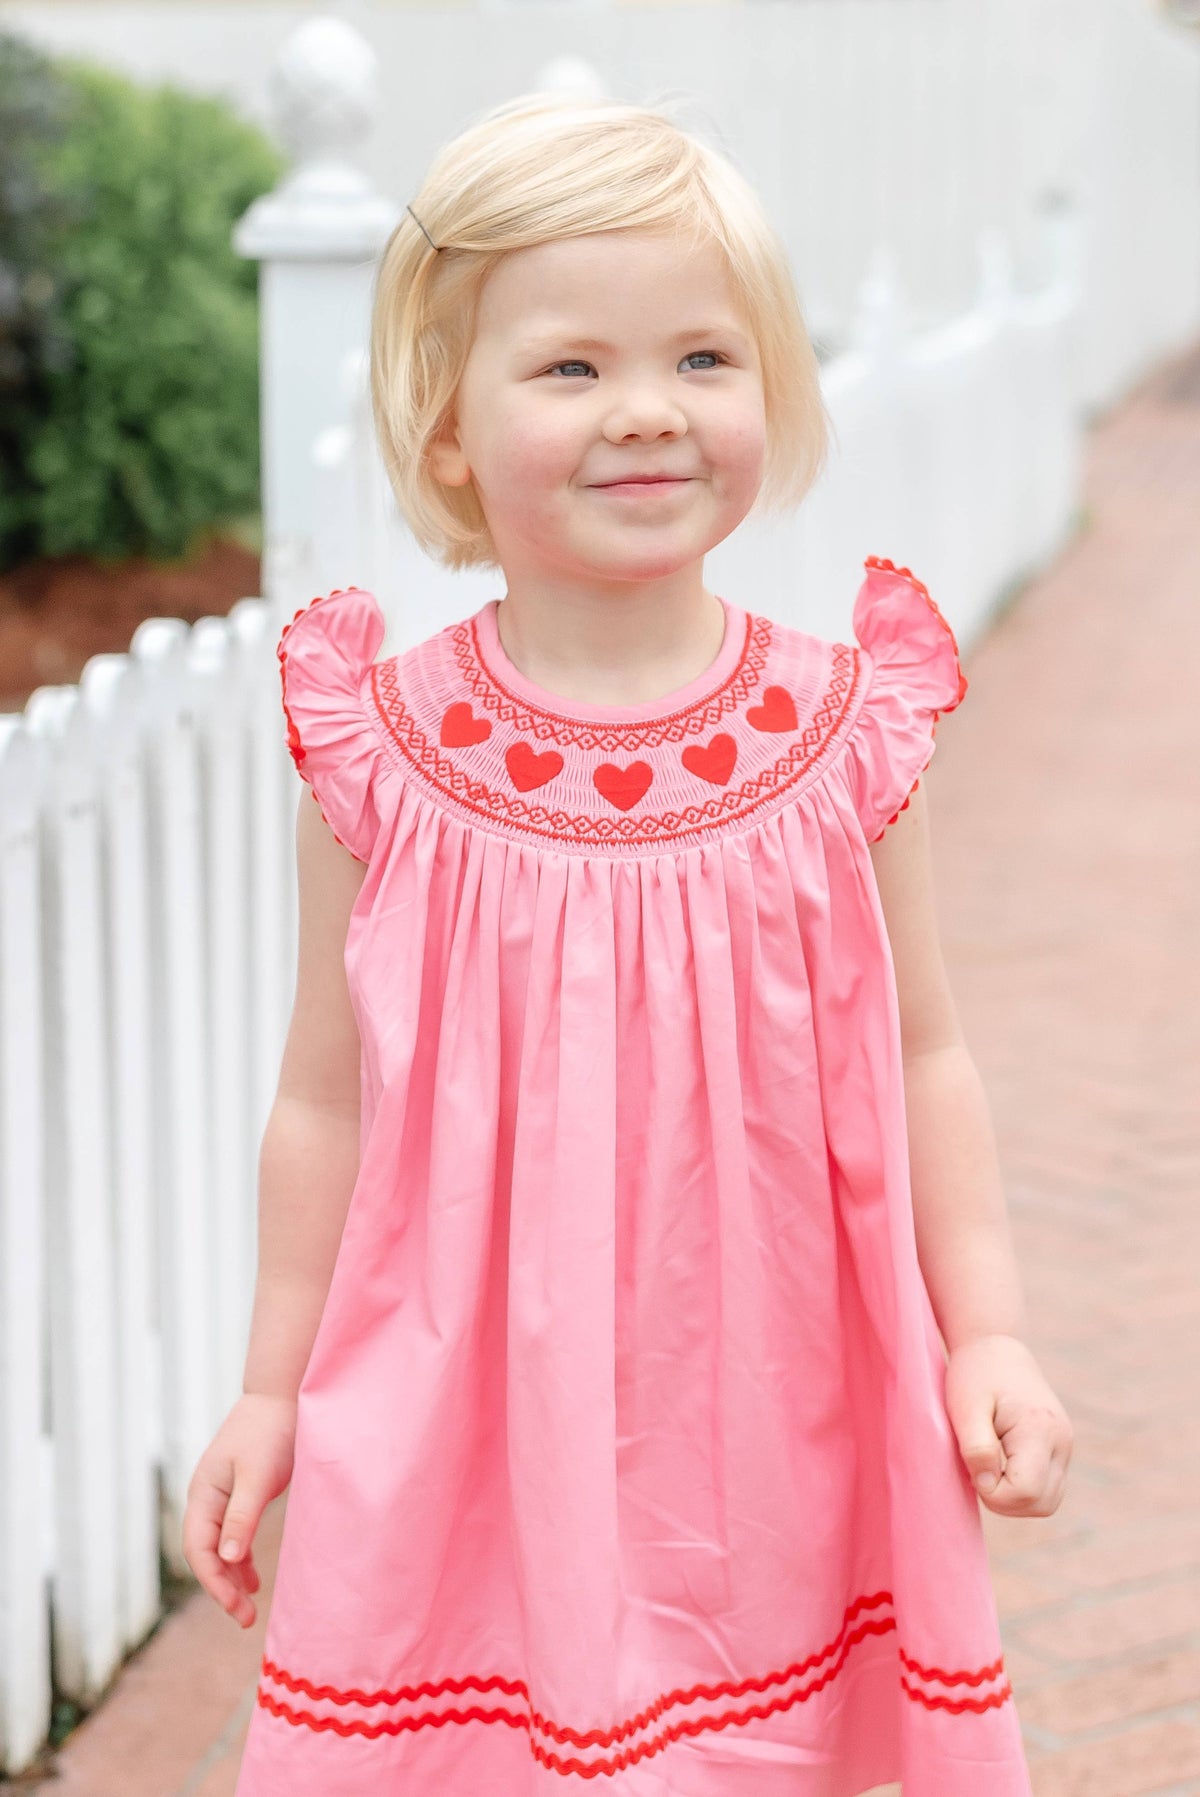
x,y
645,1750
535,1722
977,1705
888,567
296,747
618,1762
953,1678
518,1687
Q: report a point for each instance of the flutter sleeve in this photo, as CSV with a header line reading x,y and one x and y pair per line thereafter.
x,y
325,658
914,675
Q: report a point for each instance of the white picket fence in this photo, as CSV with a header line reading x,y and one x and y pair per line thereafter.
x,y
147,903
147,938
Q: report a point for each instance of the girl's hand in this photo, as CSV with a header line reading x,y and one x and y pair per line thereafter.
x,y
247,1463
1008,1423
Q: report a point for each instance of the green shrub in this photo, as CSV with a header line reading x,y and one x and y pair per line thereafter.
x,y
33,215
146,432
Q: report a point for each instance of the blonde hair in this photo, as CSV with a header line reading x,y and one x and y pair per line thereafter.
x,y
534,170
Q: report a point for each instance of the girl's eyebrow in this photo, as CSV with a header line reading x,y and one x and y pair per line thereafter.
x,y
548,339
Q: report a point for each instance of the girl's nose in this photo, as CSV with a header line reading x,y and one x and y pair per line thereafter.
x,y
645,411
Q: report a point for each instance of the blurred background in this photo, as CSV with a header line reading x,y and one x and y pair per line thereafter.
x,y
992,209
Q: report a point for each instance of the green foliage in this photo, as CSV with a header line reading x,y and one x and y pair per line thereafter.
x,y
33,216
142,427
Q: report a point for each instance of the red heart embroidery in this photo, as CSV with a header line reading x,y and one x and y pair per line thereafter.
x,y
713,763
623,786
776,711
461,728
529,769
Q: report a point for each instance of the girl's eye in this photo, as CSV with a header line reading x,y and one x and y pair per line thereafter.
x,y
715,354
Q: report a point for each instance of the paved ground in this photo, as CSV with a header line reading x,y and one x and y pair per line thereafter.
x,y
1066,808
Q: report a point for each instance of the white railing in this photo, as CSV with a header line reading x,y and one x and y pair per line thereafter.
x,y
147,903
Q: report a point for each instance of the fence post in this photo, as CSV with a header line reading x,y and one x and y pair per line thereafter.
x,y
317,238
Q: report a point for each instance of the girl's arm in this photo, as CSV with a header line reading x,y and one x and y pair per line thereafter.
x,y
964,1241
1013,1434
308,1164
309,1158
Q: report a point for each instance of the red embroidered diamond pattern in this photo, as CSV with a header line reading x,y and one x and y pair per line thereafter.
x,y
519,793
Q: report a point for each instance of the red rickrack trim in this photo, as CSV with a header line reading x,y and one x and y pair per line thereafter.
x,y
889,567
933,1701
895,814
536,1723
295,745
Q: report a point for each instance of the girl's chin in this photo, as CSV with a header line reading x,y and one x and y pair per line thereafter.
x,y
625,551
638,556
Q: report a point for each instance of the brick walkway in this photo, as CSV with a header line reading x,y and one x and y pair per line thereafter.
x,y
1066,807
1069,881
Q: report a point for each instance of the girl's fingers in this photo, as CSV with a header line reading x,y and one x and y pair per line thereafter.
x,y
238,1578
227,1584
230,1592
231,1597
1022,1492
244,1574
243,1513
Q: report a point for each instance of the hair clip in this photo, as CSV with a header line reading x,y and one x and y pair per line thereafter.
x,y
437,246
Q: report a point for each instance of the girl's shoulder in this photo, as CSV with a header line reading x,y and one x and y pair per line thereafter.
x,y
326,659
356,724
911,674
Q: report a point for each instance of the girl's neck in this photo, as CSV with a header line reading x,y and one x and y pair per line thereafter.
x,y
626,647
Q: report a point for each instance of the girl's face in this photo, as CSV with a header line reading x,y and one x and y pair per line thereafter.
x,y
597,358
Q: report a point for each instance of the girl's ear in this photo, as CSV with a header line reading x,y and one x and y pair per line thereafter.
x,y
445,457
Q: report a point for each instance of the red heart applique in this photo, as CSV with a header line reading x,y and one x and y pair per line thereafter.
x,y
623,786
529,769
776,712
714,762
461,728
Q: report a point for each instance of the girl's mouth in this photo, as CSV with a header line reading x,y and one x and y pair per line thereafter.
x,y
641,486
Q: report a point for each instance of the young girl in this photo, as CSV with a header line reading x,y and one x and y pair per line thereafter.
x,y
622,1441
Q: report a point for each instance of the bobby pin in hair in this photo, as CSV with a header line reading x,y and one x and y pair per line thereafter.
x,y
437,246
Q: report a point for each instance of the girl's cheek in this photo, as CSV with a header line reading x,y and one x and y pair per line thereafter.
x,y
742,449
537,458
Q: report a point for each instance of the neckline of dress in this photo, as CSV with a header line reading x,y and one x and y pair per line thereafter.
x,y
507,678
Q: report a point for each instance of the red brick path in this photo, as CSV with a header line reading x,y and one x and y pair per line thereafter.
x,y
1066,802
1065,798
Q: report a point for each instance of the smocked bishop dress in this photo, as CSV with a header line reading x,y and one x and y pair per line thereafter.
x,y
622,1461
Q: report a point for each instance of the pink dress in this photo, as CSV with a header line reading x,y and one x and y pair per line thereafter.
x,y
622,1453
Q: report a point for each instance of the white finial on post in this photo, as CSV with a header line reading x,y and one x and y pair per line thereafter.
x,y
318,237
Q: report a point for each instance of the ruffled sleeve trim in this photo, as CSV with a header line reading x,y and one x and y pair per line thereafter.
x,y
914,677
325,656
